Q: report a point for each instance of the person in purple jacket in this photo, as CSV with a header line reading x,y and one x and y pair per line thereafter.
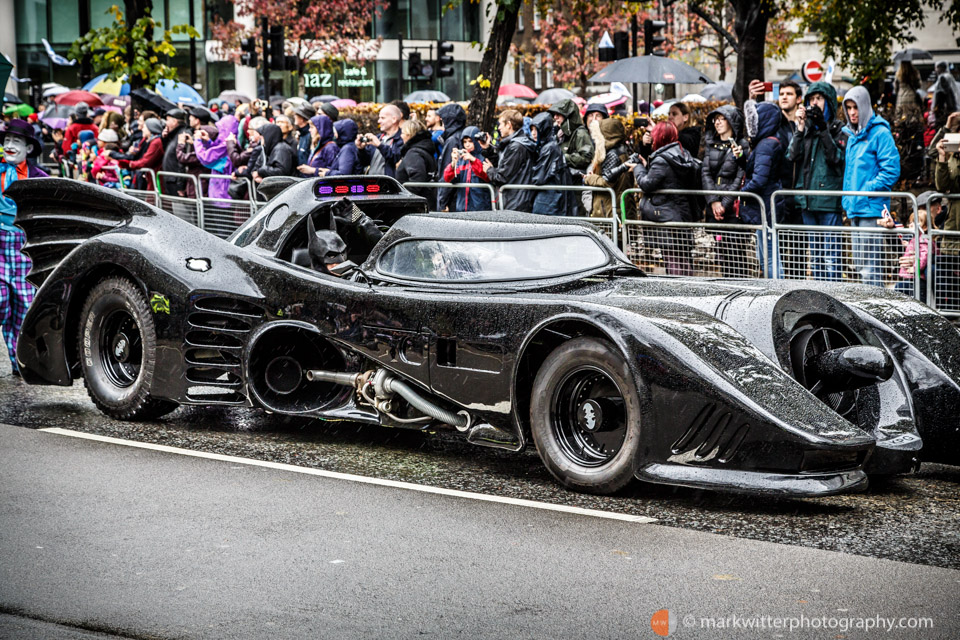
x,y
213,155
323,148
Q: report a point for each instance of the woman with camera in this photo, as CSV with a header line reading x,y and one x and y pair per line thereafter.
x,y
818,149
466,166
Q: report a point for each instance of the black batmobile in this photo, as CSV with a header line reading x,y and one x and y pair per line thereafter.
x,y
502,326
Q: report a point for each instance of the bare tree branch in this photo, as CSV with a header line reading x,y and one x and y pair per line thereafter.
x,y
724,33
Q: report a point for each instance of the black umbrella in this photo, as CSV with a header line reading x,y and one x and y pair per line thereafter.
x,y
910,55
650,69
11,97
152,101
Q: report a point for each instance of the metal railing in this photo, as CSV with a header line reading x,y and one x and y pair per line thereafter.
x,y
943,265
607,226
703,249
223,215
184,207
875,251
484,186
148,196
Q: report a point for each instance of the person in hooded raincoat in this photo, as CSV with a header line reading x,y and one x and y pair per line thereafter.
x,y
348,163
670,166
211,150
720,171
762,173
279,157
454,119
577,147
549,168
323,147
818,148
872,164
467,167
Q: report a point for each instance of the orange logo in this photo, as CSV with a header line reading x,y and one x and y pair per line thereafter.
x,y
663,623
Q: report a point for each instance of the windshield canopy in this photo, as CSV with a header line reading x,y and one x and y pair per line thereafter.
x,y
491,260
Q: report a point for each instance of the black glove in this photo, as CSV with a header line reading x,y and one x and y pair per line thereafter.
x,y
347,214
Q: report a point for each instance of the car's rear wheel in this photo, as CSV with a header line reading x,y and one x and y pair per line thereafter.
x,y
585,416
118,346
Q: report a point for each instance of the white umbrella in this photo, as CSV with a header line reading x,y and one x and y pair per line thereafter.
x,y
55,91
693,97
663,110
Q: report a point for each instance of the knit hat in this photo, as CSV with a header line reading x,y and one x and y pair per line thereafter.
x,y
86,136
330,111
154,126
81,109
99,111
305,111
108,135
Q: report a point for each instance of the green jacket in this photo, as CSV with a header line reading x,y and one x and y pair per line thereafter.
x,y
819,155
947,177
577,146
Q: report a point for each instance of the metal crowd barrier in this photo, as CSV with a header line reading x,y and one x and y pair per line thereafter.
x,y
702,249
184,207
148,196
223,216
607,226
943,266
808,252
456,185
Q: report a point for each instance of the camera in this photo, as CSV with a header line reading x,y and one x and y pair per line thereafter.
x,y
634,158
482,136
641,123
815,117
951,142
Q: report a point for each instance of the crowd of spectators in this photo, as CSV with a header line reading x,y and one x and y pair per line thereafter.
x,y
807,140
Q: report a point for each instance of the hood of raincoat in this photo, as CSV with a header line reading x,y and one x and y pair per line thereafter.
x,y
453,116
324,127
472,133
543,123
827,91
346,131
732,115
613,132
271,135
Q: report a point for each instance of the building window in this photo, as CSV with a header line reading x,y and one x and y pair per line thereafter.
x,y
548,72
550,15
536,19
537,71
520,19
521,78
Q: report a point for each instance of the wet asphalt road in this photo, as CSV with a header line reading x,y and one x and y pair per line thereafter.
x,y
912,518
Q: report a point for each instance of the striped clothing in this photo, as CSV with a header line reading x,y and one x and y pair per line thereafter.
x,y
16,293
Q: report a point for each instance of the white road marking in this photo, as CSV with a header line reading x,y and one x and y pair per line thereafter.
x,y
533,504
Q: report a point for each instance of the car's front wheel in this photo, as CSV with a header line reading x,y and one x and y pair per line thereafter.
x,y
118,345
585,416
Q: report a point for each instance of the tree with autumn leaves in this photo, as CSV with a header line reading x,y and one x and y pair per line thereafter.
x,y
323,34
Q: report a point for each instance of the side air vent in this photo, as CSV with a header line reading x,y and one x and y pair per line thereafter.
x,y
711,436
217,329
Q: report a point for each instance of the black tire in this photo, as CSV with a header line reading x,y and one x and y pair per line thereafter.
x,y
585,416
118,345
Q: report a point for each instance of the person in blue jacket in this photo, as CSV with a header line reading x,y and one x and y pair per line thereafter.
x,y
548,168
872,164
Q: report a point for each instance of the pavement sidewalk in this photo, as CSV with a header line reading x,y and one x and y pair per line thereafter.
x,y
140,543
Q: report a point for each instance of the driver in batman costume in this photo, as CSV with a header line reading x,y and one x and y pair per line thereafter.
x,y
16,294
328,252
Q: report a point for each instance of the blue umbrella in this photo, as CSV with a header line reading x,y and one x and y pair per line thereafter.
x,y
179,92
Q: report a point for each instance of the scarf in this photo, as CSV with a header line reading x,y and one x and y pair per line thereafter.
x,y
8,208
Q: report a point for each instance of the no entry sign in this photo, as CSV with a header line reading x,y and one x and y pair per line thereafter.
x,y
812,71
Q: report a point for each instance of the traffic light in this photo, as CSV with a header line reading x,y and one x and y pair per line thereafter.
x,y
650,38
249,56
414,64
444,59
621,45
275,55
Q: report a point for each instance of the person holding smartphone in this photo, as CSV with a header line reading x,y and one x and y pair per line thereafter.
x,y
720,171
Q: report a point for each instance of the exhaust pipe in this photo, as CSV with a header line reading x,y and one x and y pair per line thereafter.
x,y
385,386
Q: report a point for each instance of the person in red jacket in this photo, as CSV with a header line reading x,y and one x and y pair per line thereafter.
x,y
79,121
152,158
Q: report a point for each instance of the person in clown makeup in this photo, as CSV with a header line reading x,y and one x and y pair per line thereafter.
x,y
16,294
